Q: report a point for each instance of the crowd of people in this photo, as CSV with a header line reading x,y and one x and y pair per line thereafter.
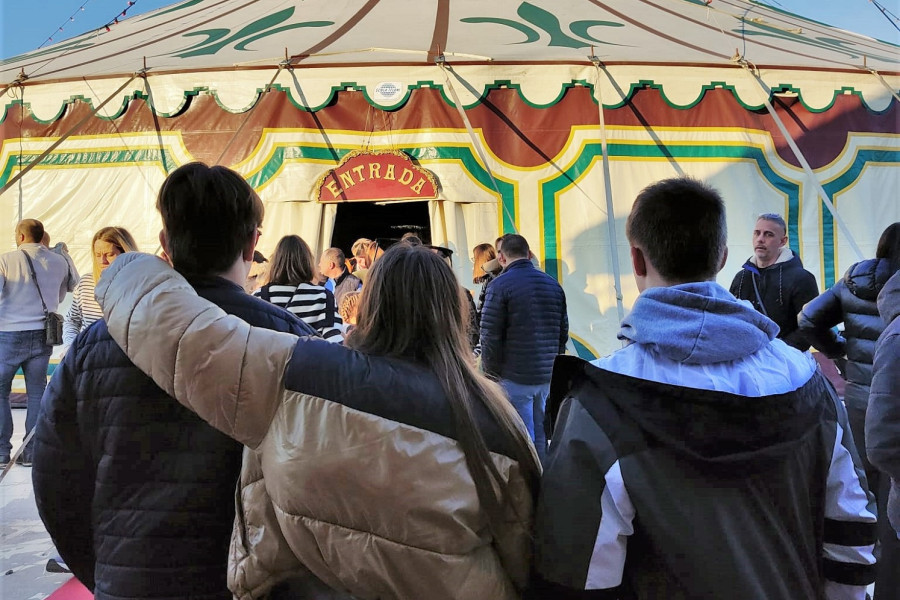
x,y
360,426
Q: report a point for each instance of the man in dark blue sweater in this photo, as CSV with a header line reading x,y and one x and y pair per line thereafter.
x,y
136,491
524,326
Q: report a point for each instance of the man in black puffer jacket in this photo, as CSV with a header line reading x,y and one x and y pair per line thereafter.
x,y
136,491
524,326
774,280
883,418
852,300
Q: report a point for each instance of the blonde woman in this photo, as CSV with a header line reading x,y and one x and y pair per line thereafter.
x,y
106,245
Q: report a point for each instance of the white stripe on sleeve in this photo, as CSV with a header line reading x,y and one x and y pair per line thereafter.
x,y
608,558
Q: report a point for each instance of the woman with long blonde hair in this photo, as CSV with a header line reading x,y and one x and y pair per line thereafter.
x,y
386,468
106,245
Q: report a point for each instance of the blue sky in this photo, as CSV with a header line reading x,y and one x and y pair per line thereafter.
x,y
27,24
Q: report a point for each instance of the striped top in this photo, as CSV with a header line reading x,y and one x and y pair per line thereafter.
x,y
84,310
312,304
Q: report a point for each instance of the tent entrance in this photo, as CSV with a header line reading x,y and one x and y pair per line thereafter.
x,y
387,222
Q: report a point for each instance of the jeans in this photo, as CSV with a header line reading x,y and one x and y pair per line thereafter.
x,y
24,349
887,569
529,401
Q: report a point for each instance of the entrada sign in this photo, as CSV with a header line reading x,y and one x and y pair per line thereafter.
x,y
377,175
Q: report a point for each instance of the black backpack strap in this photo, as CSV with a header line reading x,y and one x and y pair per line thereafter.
x,y
34,277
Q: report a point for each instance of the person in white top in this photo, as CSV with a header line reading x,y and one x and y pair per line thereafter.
x,y
22,322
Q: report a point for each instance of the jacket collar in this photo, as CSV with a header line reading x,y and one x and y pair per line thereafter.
x,y
213,281
785,255
519,263
340,279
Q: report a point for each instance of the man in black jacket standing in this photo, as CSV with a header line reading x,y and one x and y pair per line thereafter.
x,y
524,326
774,280
136,491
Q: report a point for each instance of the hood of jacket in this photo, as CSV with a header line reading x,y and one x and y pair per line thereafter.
x,y
866,279
697,323
786,255
889,299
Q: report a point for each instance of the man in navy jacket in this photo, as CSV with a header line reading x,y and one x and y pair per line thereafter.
x,y
136,491
524,326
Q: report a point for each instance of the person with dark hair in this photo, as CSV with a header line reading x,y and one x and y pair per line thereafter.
x,y
524,326
852,301
136,491
292,286
332,264
412,239
774,280
33,281
106,245
388,469
707,458
883,415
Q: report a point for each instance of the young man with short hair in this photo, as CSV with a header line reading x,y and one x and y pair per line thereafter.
x,y
136,491
774,280
706,459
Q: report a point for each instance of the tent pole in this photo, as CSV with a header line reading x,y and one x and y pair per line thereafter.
x,y
884,83
607,191
475,142
159,139
21,124
800,158
65,136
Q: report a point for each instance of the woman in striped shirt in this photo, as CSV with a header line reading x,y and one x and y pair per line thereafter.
x,y
290,286
106,245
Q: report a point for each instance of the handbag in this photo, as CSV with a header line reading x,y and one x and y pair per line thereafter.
x,y
53,322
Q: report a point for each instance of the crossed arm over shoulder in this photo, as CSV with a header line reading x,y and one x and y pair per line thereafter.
x,y
229,373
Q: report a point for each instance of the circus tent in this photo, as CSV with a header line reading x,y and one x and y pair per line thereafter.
x,y
540,117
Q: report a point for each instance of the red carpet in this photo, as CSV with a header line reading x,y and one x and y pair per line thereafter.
x,y
71,590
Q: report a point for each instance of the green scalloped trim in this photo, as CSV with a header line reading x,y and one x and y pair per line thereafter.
x,y
27,105
187,98
507,84
334,90
497,84
787,87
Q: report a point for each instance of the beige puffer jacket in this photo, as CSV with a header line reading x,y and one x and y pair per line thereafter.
x,y
352,472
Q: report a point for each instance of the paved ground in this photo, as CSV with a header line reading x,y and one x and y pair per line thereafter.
x,y
25,546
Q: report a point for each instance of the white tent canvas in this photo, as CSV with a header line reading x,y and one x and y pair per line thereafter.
x,y
509,103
